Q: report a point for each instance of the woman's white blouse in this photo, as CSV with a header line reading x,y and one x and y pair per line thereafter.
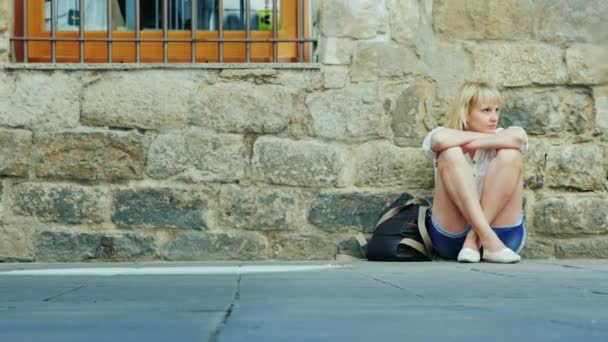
x,y
479,163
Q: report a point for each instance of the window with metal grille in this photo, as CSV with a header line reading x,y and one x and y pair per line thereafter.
x,y
161,31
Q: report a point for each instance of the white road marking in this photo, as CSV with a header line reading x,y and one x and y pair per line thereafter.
x,y
186,270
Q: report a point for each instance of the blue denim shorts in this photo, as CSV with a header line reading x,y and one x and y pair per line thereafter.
x,y
447,245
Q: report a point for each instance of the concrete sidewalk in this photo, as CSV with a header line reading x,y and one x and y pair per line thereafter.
x,y
360,301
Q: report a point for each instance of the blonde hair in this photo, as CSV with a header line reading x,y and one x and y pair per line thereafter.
x,y
468,94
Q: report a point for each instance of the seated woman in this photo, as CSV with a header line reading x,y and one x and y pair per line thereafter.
x,y
478,194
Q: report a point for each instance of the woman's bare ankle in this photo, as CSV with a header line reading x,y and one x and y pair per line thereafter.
x,y
471,241
493,245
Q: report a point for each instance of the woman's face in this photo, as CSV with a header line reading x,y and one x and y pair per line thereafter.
x,y
483,117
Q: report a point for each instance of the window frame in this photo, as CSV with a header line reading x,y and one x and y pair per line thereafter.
x,y
124,47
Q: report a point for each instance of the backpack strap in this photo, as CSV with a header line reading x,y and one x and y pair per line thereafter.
x,y
415,245
392,212
428,244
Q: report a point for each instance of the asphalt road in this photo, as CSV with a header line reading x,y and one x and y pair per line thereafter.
x,y
550,300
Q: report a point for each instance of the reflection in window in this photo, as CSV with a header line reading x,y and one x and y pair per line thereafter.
x,y
178,15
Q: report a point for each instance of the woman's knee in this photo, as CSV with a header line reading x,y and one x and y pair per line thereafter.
x,y
450,155
510,157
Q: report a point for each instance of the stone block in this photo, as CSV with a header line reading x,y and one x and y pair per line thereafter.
x,y
379,59
568,21
350,247
58,246
538,249
299,80
305,163
4,15
534,164
336,51
587,64
15,150
167,155
345,115
160,208
600,96
302,247
4,46
483,19
89,156
260,208
359,19
581,167
243,107
571,215
518,64
197,155
588,248
190,246
61,203
37,100
553,111
334,211
381,163
404,19
222,157
335,77
438,62
15,243
7,85
412,108
149,99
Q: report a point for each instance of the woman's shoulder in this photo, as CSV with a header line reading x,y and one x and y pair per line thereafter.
x,y
435,130
511,127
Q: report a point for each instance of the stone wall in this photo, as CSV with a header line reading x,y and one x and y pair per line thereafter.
x,y
288,163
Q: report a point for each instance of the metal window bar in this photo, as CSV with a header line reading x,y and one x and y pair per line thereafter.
x,y
248,31
81,20
53,31
220,30
157,9
165,31
193,27
275,32
301,50
25,52
137,30
109,28
301,40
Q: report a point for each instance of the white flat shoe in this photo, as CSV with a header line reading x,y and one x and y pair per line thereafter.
x,y
504,256
468,255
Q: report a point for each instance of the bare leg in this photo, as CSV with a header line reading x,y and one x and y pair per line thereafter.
x,y
502,196
456,203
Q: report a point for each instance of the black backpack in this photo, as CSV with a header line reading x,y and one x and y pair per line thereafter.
x,y
401,233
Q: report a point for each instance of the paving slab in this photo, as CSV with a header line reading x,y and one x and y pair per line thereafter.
x,y
308,301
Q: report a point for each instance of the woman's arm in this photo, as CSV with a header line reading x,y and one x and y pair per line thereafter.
x,y
512,137
447,138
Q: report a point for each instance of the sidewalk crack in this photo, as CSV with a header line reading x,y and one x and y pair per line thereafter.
x,y
389,284
493,273
63,293
213,337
